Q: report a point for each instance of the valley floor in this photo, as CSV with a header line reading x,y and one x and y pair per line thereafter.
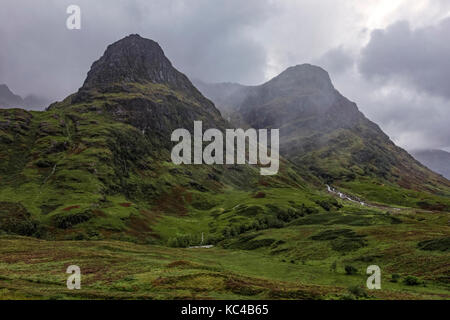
x,y
36,269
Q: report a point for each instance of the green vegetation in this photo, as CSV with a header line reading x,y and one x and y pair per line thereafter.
x,y
90,182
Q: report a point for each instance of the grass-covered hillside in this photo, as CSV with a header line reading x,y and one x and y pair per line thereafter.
x,y
90,182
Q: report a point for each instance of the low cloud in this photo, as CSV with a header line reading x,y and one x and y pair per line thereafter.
x,y
419,57
336,60
202,38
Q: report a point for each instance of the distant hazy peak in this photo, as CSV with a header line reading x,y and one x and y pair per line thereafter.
x,y
304,76
4,90
8,98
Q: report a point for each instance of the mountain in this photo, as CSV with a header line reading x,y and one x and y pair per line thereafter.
x,y
436,160
8,98
98,162
137,84
325,133
90,181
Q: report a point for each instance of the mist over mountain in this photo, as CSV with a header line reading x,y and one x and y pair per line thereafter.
x,y
78,163
10,100
436,160
226,96
109,144
91,180
321,130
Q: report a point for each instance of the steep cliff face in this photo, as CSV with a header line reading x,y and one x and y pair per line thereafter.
x,y
136,83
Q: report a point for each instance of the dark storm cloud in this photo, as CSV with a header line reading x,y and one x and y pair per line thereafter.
x,y
248,42
418,56
39,55
414,120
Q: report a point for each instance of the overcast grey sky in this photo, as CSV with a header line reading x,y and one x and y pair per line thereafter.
x,y
389,56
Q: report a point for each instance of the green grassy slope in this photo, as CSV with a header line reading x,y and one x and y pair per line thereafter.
x,y
90,182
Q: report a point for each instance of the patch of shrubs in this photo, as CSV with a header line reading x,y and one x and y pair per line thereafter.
x,y
287,215
322,218
249,211
15,219
328,203
346,245
68,220
357,292
412,281
203,204
350,270
395,220
184,241
342,240
395,278
440,244
44,163
334,234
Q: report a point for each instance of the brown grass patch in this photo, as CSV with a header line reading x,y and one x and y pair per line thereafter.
x,y
174,202
71,208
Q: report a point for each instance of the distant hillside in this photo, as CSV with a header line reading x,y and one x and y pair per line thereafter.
x,y
324,133
436,160
10,100
98,163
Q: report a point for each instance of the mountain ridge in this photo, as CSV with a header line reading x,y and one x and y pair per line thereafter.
x,y
324,132
97,164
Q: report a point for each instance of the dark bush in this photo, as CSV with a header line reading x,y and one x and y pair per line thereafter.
x,y
440,244
411,281
14,218
350,270
357,291
395,277
347,244
334,234
343,240
68,220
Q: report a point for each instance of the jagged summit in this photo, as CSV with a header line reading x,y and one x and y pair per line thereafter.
x,y
302,79
135,83
134,59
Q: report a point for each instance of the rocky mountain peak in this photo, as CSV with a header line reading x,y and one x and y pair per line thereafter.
x,y
134,59
304,77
